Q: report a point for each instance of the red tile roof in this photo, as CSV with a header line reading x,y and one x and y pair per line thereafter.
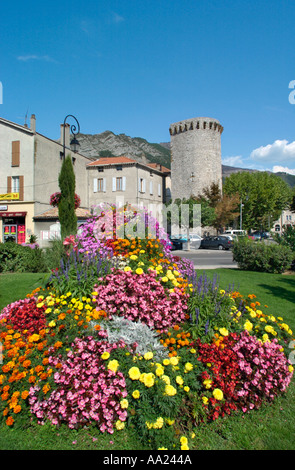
x,y
111,161
53,213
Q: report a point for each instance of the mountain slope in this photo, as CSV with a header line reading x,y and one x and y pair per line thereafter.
x,y
109,144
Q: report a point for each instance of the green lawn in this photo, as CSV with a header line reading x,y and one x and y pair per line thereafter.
x,y
270,428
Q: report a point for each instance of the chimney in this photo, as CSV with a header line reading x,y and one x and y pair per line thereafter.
x,y
66,133
33,123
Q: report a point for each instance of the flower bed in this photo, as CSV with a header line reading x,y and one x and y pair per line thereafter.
x,y
128,336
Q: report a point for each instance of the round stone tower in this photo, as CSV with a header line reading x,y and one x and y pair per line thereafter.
x,y
195,156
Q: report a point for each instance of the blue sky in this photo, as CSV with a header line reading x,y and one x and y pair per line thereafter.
x,y
135,67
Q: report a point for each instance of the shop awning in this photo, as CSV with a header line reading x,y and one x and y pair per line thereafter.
x,y
13,214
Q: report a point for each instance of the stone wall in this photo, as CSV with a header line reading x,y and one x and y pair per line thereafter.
x,y
195,156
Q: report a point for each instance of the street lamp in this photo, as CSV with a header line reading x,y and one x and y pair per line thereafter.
x,y
74,130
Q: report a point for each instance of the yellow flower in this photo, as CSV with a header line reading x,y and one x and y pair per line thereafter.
x,y
184,447
170,390
188,366
162,448
174,360
124,403
186,388
179,380
134,373
205,400
223,331
133,257
183,440
136,394
159,371
52,324
159,423
166,362
164,279
290,368
119,425
148,355
148,379
166,379
218,394
248,325
113,365
105,355
207,383
139,271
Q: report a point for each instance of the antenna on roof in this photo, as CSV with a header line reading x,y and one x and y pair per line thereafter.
x,y
26,117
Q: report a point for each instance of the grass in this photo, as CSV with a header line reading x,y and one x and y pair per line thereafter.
x,y
270,428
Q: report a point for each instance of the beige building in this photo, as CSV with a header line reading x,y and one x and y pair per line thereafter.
x,y
29,170
122,180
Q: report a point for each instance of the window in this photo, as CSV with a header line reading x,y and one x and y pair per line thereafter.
x,y
141,185
119,183
99,185
119,168
15,184
15,156
159,190
151,188
100,169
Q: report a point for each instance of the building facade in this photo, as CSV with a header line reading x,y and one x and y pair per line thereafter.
x,y
195,156
30,166
29,171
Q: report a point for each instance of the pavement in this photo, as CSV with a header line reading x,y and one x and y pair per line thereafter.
x,y
208,259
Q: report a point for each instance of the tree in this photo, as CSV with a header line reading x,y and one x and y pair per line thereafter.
x,y
66,206
226,211
212,194
263,195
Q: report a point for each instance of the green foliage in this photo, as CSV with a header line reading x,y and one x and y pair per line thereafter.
x,y
264,196
259,256
66,207
18,258
208,307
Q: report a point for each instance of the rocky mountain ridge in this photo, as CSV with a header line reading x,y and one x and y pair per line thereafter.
x,y
108,144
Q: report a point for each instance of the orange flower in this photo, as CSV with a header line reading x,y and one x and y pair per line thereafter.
x,y
17,409
25,394
9,421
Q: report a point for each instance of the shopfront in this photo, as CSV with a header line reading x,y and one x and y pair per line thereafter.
x,y
13,226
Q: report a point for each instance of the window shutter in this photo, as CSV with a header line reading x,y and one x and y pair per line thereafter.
x,y
151,187
104,185
9,184
114,184
143,185
139,185
159,189
95,185
21,188
15,157
124,183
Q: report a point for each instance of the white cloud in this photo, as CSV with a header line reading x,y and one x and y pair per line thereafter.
x,y
117,18
283,169
281,151
233,161
26,58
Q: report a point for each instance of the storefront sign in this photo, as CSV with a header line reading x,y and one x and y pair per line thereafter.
x,y
13,214
3,208
9,196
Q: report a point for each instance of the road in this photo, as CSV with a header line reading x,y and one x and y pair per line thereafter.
x,y
208,259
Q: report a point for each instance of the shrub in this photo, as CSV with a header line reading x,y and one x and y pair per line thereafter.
x,y
259,256
18,258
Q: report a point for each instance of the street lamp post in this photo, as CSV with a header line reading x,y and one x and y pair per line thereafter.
x,y
74,130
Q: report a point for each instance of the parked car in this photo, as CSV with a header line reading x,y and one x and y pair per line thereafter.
x,y
260,235
195,241
216,243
